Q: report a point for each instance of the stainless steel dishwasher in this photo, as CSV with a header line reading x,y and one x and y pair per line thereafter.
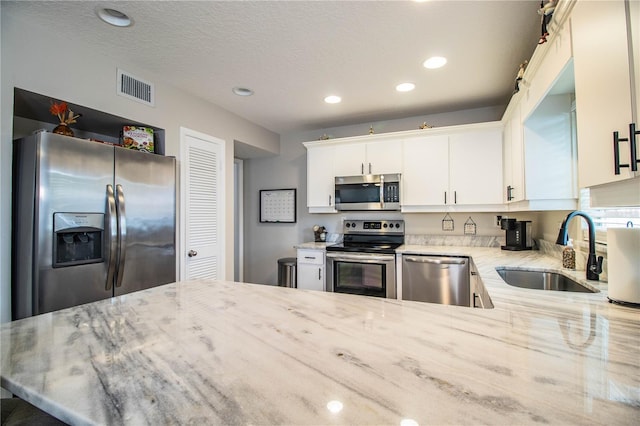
x,y
436,279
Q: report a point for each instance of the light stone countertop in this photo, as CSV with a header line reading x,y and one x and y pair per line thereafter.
x,y
215,352
314,245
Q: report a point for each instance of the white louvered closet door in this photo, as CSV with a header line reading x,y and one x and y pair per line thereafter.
x,y
203,206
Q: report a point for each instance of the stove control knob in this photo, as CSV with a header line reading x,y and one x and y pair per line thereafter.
x,y
397,225
348,225
353,224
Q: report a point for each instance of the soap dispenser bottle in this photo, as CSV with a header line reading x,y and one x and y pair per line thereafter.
x,y
569,256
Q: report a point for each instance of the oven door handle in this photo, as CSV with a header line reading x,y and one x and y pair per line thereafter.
x,y
363,258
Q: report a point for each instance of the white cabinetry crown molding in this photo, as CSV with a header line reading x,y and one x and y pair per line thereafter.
x,y
448,130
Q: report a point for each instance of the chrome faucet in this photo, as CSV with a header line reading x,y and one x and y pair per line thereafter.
x,y
594,265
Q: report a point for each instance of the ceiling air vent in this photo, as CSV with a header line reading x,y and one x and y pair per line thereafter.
x,y
135,88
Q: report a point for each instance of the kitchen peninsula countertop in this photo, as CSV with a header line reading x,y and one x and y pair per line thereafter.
x,y
219,352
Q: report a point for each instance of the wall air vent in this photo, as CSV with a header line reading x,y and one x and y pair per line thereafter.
x,y
135,88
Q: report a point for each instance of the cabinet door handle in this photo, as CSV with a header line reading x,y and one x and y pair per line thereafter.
x,y
361,168
633,147
509,193
455,197
319,273
445,197
369,168
329,199
616,152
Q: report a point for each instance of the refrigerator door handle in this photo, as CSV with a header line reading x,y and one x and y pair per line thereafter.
x,y
122,228
113,237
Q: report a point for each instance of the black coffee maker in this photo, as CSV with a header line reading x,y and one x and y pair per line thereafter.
x,y
518,234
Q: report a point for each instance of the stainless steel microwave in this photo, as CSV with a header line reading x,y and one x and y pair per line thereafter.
x,y
368,192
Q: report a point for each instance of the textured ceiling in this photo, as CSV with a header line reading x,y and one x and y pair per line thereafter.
x,y
294,53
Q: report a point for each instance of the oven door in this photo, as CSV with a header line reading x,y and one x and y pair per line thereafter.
x,y
368,274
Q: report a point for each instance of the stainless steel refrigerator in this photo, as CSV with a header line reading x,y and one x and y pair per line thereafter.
x,y
90,221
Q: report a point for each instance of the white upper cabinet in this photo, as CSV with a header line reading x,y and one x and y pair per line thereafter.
x,y
457,167
513,159
376,157
604,87
475,167
320,179
454,168
384,157
349,159
425,178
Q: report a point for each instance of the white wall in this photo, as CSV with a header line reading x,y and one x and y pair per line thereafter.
x,y
31,60
266,243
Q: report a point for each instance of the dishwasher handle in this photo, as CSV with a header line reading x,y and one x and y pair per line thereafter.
x,y
435,260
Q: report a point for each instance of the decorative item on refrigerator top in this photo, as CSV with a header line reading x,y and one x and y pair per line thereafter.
x,y
140,138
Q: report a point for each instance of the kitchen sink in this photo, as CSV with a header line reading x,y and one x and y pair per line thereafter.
x,y
541,280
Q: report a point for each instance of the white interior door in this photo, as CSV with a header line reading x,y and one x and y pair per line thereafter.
x,y
202,206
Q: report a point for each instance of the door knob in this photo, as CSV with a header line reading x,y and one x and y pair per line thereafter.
x,y
192,253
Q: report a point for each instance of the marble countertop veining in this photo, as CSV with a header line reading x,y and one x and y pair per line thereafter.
x,y
217,352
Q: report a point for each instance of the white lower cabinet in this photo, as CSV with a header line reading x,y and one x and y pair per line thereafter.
x,y
310,269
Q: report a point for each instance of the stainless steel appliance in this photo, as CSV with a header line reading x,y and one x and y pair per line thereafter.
x,y
436,279
90,221
518,234
368,192
365,262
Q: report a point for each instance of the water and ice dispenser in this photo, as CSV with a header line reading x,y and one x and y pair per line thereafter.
x,y
78,238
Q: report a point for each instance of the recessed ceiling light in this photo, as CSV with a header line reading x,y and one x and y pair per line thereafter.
x,y
333,99
405,87
242,91
114,17
435,62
